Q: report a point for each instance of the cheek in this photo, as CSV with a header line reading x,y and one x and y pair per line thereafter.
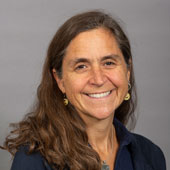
x,y
73,85
119,79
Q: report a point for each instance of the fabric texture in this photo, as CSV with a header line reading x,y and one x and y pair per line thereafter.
x,y
144,154
123,158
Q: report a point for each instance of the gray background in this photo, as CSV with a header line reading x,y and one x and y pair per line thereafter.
x,y
26,28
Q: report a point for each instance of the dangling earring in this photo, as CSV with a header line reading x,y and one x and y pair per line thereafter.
x,y
65,100
127,97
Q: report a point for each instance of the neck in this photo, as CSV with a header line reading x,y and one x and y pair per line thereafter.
x,y
102,136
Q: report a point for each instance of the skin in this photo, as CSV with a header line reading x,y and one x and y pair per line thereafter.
x,y
94,64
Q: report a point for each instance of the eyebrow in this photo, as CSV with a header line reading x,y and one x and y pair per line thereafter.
x,y
78,60
112,56
85,60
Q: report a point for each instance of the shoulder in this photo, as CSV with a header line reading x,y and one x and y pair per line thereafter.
x,y
149,151
34,161
147,145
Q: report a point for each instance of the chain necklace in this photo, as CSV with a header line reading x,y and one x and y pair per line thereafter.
x,y
105,166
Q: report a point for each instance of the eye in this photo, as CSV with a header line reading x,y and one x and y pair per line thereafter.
x,y
80,67
109,63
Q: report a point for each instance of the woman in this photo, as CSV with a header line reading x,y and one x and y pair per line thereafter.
x,y
85,99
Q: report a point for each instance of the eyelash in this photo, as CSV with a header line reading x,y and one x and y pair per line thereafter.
x,y
83,66
110,63
79,67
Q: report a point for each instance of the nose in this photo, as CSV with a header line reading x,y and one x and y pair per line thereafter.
x,y
97,78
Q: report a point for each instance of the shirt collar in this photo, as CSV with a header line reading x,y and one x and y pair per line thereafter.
x,y
123,135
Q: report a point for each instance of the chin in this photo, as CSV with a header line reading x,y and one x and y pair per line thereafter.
x,y
100,115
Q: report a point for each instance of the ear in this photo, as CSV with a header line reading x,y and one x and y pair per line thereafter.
x,y
128,74
59,81
129,70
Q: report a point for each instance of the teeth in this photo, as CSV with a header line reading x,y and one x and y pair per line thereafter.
x,y
99,95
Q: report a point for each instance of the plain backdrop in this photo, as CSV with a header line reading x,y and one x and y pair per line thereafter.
x,y
26,28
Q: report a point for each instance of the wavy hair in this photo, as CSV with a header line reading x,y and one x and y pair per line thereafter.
x,y
53,129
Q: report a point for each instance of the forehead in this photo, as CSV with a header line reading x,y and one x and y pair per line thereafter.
x,y
94,43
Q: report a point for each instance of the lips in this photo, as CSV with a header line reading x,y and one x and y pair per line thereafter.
x,y
99,95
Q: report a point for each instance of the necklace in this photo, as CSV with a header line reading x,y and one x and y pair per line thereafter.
x,y
105,166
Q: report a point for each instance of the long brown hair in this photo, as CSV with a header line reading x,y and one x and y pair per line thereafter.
x,y
56,130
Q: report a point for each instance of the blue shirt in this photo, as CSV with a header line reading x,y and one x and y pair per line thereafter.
x,y
123,157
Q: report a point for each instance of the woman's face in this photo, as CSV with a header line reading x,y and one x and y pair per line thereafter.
x,y
94,74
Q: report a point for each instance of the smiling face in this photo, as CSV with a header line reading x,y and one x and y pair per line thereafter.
x,y
94,74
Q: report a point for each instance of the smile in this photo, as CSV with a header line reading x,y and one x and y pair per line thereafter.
x,y
99,95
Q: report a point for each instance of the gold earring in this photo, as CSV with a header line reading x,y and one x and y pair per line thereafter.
x,y
127,97
65,100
